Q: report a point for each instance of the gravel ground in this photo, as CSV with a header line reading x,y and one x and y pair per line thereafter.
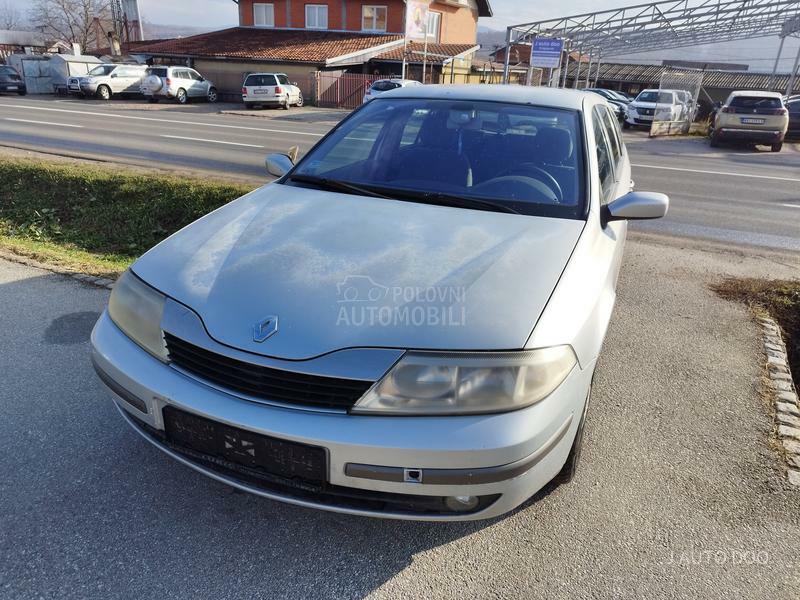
x,y
679,494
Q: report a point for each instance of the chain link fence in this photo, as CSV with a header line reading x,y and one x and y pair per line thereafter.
x,y
676,105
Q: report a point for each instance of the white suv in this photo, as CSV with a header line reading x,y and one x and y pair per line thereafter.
x,y
181,83
260,89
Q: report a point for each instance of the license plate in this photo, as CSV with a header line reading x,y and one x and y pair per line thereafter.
x,y
261,91
11,87
747,121
245,448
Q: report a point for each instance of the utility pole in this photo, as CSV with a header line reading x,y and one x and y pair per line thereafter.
x,y
507,62
578,68
775,67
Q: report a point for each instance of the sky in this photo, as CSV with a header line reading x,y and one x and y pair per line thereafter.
x,y
759,53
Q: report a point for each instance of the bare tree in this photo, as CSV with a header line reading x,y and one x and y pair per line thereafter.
x,y
10,17
73,21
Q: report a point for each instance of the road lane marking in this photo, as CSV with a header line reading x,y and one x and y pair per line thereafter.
x,y
192,139
43,123
170,121
773,177
791,205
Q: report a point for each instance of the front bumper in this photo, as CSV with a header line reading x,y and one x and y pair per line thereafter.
x,y
12,87
510,456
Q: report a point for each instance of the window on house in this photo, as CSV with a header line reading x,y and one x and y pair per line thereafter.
x,y
316,16
434,25
263,15
373,18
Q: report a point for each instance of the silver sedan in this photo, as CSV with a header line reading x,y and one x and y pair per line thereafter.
x,y
405,324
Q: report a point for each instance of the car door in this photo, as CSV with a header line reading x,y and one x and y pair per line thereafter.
x,y
292,90
794,115
199,85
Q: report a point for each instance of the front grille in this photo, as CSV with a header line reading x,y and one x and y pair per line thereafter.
x,y
268,383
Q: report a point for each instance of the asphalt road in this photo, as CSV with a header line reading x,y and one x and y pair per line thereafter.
x,y
732,195
679,494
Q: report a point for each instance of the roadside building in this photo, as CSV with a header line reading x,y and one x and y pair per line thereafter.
x,y
317,44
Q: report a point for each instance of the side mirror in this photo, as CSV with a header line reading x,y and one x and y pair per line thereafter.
x,y
279,165
636,206
294,83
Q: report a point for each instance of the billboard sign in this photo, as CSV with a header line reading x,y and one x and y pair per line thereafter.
x,y
546,52
417,19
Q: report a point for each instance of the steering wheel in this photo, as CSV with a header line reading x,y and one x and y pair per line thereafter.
x,y
529,170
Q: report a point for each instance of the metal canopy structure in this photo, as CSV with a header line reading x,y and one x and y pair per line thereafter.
x,y
664,25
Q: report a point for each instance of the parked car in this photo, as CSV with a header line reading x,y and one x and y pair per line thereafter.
x,y
482,227
612,95
659,105
793,106
181,83
381,86
619,107
10,81
751,117
270,89
107,80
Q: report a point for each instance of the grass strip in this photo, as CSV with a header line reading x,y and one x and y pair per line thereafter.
x,y
96,219
780,299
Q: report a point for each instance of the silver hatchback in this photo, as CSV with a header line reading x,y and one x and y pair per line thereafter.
x,y
405,324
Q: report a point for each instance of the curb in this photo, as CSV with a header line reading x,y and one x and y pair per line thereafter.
x,y
88,279
787,412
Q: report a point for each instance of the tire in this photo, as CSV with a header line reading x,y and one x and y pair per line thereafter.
x,y
567,472
182,97
104,93
300,100
776,147
213,96
288,104
22,92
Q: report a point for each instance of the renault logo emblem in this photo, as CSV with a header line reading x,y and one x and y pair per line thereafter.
x,y
265,329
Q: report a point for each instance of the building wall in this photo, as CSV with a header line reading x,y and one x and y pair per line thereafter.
x,y
459,25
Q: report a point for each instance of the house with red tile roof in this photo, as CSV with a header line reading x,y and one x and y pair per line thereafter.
x,y
305,37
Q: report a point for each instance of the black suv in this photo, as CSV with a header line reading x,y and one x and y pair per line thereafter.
x,y
10,81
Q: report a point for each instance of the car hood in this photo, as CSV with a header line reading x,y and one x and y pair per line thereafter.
x,y
341,271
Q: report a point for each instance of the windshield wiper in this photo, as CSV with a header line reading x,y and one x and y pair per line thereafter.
x,y
336,185
450,200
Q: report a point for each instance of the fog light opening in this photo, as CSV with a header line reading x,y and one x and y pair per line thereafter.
x,y
461,503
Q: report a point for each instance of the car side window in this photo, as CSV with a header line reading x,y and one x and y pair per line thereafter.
x,y
195,75
605,159
283,80
612,132
793,106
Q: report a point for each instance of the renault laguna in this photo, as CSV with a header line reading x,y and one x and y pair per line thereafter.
x,y
405,324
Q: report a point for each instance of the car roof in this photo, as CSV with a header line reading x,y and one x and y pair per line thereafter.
x,y
756,94
266,73
515,94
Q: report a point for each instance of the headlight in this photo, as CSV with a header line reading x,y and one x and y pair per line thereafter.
x,y
425,383
136,308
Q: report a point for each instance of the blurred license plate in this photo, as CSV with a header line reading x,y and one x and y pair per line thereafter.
x,y
261,91
11,87
753,121
245,448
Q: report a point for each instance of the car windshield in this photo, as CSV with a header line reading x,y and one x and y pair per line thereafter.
x,y
755,102
656,97
520,158
7,71
102,70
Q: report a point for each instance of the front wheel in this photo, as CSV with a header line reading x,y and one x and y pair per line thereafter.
x,y
570,467
776,147
626,125
181,96
104,92
212,95
300,100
